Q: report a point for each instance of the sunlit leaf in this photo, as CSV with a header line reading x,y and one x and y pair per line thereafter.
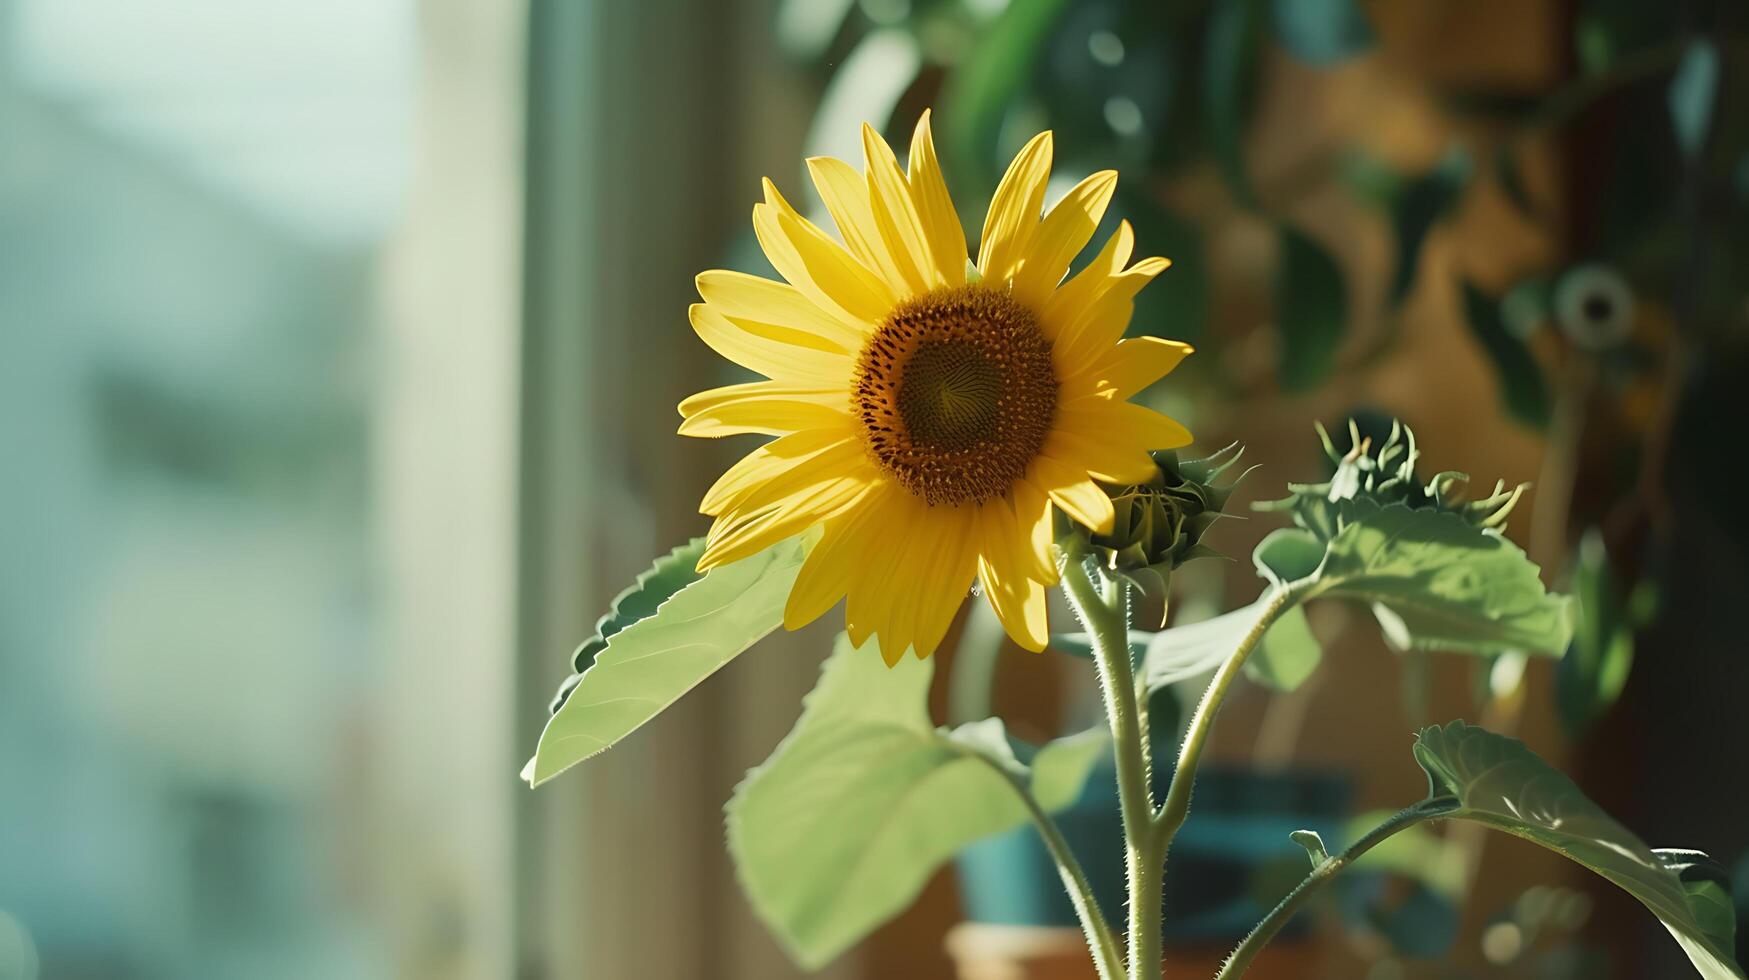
x,y
1311,311
1502,784
1287,655
1523,388
1322,32
649,664
666,576
1693,90
1449,584
1592,674
865,798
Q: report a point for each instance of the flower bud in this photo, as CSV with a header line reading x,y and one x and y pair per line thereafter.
x,y
1161,523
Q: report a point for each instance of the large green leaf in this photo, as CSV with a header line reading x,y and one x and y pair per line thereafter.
x,y
1322,32
1440,582
1500,783
649,664
865,798
1311,311
1289,651
666,576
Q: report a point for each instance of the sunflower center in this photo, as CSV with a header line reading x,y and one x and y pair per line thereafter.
x,y
956,393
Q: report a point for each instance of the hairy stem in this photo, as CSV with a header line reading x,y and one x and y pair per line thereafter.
x,y
1177,805
1106,619
1283,913
1107,954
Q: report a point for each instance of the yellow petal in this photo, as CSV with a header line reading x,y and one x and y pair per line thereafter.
x,y
896,215
1129,366
742,297
744,534
846,196
1080,292
941,222
1032,514
826,573
1111,440
1061,236
1073,493
1018,599
816,265
773,461
943,569
769,356
1014,211
1099,325
770,407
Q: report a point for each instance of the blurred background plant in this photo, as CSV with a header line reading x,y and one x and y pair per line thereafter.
x,y
337,350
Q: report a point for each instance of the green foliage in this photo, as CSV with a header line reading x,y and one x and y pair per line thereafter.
x,y
1500,783
1229,83
1288,654
1311,311
1415,206
647,665
1594,671
654,586
1523,388
979,93
1692,93
865,798
1385,475
1322,32
1439,582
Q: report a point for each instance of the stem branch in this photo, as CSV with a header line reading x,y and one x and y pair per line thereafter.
x,y
1278,917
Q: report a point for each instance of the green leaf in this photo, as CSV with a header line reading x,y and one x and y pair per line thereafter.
x,y
978,95
1287,655
1415,207
1501,784
1230,56
1183,652
865,798
1060,768
1591,676
666,576
1311,311
1322,32
1693,90
1523,388
1288,554
1450,585
649,664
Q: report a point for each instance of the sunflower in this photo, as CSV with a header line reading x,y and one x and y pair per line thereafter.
x,y
929,414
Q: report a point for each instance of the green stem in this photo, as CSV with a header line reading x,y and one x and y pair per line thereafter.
x,y
1105,617
1107,954
1177,805
1326,869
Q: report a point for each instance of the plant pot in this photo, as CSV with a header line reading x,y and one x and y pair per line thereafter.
x,y
1231,862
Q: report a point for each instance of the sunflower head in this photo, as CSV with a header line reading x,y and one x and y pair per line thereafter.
x,y
1385,474
1161,522
932,415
